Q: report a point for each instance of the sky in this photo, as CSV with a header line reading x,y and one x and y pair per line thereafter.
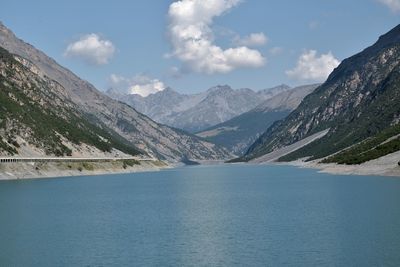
x,y
145,46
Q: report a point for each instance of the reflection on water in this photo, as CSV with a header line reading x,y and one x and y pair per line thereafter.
x,y
202,216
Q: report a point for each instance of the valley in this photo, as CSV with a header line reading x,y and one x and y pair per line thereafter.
x,y
200,133
49,111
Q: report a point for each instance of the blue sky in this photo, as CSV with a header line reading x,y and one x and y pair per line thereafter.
x,y
132,45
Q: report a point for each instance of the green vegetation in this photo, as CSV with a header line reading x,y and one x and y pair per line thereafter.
x,y
244,129
359,123
369,149
88,166
129,162
235,160
359,101
30,108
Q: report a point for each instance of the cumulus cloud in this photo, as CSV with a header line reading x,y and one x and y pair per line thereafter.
x,y
254,39
139,84
311,67
193,40
92,49
394,5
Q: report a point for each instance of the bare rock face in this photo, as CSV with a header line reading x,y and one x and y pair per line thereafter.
x,y
359,99
197,112
238,133
152,138
287,100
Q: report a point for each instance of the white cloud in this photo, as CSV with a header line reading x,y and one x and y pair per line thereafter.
x,y
139,84
311,67
193,41
394,5
254,39
92,49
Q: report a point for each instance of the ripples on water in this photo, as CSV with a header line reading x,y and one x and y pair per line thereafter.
x,y
202,216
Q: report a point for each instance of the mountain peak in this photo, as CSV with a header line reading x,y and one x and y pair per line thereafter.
x,y
114,117
168,90
386,40
5,31
393,36
281,87
359,100
220,88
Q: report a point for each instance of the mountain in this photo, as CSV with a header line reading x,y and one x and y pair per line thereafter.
x,y
143,133
37,118
358,105
196,112
238,133
162,106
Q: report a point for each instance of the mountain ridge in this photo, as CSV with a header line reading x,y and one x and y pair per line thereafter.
x,y
198,111
145,134
37,117
238,133
358,101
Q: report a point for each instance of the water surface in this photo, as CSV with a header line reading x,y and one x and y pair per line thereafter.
x,y
202,216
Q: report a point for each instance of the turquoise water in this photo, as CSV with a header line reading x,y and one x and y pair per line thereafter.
x,y
202,216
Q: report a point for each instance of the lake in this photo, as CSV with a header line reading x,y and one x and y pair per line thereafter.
x,y
202,216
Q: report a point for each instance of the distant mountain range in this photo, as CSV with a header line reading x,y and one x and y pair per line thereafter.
x,y
197,112
358,106
53,112
238,133
352,118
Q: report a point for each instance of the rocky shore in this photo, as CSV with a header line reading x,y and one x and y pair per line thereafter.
x,y
15,171
384,166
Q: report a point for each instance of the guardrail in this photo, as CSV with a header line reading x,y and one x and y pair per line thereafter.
x,y
44,159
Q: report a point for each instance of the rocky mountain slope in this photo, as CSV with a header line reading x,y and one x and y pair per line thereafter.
x,y
145,134
359,104
196,112
38,118
238,133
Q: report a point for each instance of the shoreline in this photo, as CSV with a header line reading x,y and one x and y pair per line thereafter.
x,y
385,166
27,171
